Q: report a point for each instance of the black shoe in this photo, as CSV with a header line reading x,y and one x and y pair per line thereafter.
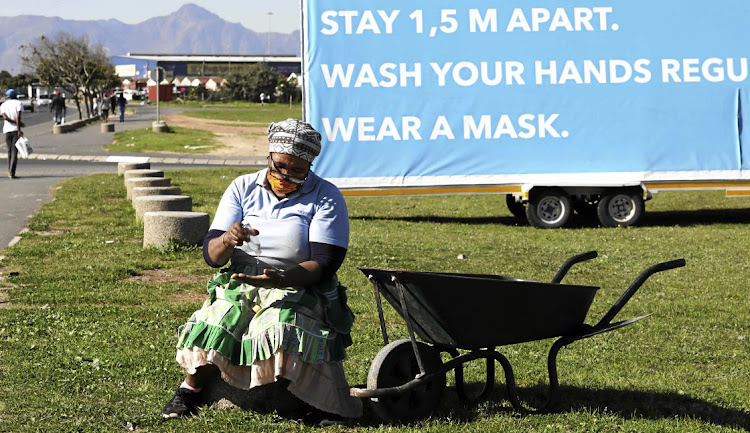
x,y
319,418
184,403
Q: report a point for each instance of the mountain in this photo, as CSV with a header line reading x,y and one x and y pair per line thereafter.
x,y
189,30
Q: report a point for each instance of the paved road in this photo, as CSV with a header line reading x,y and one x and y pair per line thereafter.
x,y
24,196
58,157
42,116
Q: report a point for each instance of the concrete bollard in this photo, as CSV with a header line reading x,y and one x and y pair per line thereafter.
x,y
145,181
142,191
156,203
145,172
159,127
122,167
185,228
108,127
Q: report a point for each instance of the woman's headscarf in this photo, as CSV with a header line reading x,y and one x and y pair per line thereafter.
x,y
294,137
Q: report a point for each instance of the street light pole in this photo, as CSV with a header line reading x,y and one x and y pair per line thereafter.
x,y
268,35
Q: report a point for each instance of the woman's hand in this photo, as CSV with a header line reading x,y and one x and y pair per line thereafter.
x,y
236,236
221,248
271,278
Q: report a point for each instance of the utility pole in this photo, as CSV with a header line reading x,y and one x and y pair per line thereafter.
x,y
268,35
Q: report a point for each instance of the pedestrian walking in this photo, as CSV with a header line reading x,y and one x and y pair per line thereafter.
x,y
121,103
113,103
11,111
105,107
58,107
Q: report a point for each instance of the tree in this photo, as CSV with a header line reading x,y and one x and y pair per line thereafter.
x,y
248,84
73,64
288,89
19,82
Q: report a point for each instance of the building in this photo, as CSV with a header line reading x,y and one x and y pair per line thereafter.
x,y
182,71
201,65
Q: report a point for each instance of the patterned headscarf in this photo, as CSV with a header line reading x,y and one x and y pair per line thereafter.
x,y
294,137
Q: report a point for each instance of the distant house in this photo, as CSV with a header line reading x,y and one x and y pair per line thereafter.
x,y
298,77
214,83
199,81
151,82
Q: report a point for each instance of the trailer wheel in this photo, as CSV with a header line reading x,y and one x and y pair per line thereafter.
x,y
515,207
548,208
396,365
621,208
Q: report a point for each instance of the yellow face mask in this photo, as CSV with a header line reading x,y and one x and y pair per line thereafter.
x,y
281,186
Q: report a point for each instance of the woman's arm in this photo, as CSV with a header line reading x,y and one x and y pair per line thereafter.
x,y
219,249
325,260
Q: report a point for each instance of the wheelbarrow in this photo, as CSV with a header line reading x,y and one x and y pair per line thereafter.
x,y
475,313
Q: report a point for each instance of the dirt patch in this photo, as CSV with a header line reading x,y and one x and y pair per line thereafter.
x,y
4,302
160,276
50,233
189,297
238,140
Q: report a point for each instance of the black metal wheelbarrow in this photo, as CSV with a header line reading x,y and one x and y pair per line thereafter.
x,y
475,313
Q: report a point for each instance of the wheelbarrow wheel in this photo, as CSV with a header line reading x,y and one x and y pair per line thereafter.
x,y
396,364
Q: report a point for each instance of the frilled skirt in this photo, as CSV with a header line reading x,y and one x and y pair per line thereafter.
x,y
256,336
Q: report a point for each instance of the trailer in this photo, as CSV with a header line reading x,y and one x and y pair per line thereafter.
x,y
563,106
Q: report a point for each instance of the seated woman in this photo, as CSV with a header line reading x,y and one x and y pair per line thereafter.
x,y
277,311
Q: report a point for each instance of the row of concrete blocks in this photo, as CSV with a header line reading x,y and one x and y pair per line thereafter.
x,y
166,215
75,124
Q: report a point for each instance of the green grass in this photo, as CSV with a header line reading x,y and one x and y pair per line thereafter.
x,y
255,115
211,104
177,140
88,345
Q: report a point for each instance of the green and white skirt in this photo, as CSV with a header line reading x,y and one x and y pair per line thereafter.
x,y
257,335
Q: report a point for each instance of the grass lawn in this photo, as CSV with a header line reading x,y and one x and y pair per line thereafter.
x,y
88,326
254,115
177,140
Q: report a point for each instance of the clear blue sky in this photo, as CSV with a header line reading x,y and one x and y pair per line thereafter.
x,y
253,14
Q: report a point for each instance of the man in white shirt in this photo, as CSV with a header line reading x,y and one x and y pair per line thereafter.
x,y
11,111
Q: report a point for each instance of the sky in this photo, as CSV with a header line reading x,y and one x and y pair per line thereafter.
x,y
252,14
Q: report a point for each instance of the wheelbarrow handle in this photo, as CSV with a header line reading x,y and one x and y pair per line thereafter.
x,y
570,262
659,267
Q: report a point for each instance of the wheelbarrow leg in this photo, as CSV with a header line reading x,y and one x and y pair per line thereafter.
x,y
409,326
379,303
489,383
510,379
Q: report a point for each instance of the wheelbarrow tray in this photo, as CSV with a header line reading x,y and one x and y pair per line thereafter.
x,y
469,311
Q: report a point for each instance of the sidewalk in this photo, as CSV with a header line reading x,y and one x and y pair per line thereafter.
x,y
87,144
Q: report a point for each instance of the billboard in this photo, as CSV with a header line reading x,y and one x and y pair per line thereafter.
x,y
410,93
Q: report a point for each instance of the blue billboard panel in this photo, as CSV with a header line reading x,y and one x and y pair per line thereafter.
x,y
460,92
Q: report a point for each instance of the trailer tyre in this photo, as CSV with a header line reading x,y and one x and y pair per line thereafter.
x,y
620,208
548,208
515,207
396,365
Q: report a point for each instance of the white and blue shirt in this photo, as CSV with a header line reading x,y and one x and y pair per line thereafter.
x,y
315,213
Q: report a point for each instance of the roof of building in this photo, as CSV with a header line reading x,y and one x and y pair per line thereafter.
x,y
216,58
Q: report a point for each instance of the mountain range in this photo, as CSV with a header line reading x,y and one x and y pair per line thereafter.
x,y
189,30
